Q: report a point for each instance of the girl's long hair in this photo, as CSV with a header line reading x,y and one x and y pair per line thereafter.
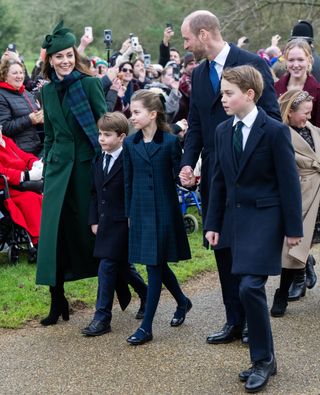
x,y
152,102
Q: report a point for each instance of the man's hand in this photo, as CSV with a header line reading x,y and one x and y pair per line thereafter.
x,y
94,229
293,241
275,40
187,176
167,34
212,237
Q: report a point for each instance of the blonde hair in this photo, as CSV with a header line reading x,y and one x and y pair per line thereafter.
x,y
245,77
302,44
291,100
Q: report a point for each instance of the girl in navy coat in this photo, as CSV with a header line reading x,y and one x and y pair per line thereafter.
x,y
157,234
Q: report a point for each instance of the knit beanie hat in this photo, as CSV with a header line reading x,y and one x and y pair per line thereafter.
x,y
60,39
303,29
188,57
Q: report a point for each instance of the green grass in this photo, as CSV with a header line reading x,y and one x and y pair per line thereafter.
x,y
21,300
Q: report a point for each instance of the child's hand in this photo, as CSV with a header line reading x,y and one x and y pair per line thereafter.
x,y
94,229
213,238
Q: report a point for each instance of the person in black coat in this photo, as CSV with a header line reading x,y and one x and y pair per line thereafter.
x,y
20,115
201,34
110,225
253,176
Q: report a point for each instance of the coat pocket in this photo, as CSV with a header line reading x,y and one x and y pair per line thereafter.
x,y
268,202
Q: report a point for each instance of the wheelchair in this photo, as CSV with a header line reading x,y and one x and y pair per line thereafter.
x,y
187,199
13,238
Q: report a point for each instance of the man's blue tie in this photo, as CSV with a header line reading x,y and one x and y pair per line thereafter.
x,y
214,77
237,141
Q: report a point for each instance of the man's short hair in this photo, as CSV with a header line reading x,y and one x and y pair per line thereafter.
x,y
245,77
202,20
114,122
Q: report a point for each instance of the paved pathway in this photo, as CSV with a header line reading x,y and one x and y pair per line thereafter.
x,y
59,360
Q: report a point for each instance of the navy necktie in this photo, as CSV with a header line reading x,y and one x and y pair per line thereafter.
x,y
106,162
237,141
214,77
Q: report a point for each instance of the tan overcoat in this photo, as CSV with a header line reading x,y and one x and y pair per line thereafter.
x,y
308,162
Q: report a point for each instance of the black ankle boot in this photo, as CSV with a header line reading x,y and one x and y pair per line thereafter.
x,y
310,273
280,303
298,286
59,306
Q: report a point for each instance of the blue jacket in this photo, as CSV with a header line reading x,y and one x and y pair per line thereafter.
x,y
157,233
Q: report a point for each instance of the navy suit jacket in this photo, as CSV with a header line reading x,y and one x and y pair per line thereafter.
x,y
107,209
259,202
206,112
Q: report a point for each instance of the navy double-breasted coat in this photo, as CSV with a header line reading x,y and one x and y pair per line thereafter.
x,y
259,202
157,233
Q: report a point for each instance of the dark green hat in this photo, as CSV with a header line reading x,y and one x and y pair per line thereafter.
x,y
60,39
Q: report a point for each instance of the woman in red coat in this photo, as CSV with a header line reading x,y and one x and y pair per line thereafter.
x,y
24,206
299,60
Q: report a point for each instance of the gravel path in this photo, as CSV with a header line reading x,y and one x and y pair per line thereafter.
x,y
59,360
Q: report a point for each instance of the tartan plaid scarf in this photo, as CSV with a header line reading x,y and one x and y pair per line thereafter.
x,y
79,104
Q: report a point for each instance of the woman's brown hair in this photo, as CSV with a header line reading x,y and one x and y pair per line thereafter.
x,y
79,65
5,66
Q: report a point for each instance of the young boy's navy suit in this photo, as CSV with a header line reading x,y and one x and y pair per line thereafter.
x,y
253,205
111,246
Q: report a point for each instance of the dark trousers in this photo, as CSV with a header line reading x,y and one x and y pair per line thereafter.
x,y
229,287
158,275
254,300
107,280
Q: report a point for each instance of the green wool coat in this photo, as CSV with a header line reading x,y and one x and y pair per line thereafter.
x,y
65,236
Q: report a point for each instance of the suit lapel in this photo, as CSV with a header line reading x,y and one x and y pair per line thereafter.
x,y
254,138
141,150
56,108
114,169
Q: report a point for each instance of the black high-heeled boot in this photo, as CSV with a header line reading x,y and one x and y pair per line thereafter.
x,y
298,286
59,306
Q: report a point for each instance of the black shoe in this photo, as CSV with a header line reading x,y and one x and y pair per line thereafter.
x,y
280,303
310,273
141,311
244,334
298,286
96,328
244,375
180,314
139,337
261,371
226,335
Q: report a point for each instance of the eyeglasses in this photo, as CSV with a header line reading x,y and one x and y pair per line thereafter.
x,y
125,70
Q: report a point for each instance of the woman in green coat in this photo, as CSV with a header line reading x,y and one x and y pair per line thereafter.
x,y
72,101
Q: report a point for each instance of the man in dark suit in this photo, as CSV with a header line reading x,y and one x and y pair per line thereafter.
x,y
201,33
110,225
253,175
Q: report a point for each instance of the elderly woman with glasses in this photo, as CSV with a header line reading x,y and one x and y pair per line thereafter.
x,y
296,109
129,86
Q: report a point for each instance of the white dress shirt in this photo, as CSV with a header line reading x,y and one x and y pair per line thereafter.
x,y
114,155
221,58
248,121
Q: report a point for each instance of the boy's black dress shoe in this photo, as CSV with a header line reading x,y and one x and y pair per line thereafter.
x,y
96,328
260,373
180,314
140,337
310,273
226,335
141,311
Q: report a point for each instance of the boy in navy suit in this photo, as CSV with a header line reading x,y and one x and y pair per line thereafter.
x,y
255,201
110,225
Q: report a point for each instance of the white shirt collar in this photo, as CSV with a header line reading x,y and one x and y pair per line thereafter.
x,y
115,153
221,58
249,119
